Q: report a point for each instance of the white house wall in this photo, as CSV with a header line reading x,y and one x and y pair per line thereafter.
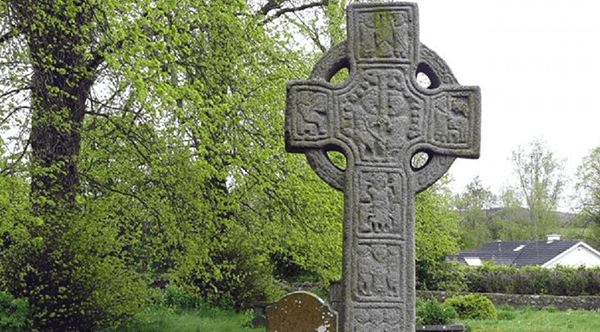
x,y
578,255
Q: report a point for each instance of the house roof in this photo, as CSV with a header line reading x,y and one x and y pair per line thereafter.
x,y
517,253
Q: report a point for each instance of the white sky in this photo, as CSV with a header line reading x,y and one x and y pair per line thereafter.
x,y
538,65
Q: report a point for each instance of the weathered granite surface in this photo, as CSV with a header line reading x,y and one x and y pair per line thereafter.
x,y
398,138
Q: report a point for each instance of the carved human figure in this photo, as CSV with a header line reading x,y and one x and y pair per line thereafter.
x,y
367,35
365,276
400,25
380,195
370,143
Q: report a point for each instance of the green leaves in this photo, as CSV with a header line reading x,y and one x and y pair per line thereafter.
x,y
436,223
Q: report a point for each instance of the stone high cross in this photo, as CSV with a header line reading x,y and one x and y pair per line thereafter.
x,y
398,139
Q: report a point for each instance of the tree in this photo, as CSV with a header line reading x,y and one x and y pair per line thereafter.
x,y
511,219
437,235
588,194
151,124
51,55
473,207
540,182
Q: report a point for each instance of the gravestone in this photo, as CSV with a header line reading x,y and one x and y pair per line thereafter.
x,y
301,312
398,138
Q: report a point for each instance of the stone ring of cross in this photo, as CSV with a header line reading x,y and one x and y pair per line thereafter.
x,y
426,166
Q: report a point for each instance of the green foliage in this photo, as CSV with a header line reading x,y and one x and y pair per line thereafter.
x,y
176,298
15,314
436,235
511,219
474,224
472,306
559,281
441,275
244,277
180,168
588,195
436,223
71,282
430,312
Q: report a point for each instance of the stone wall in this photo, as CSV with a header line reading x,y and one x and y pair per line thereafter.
x,y
517,300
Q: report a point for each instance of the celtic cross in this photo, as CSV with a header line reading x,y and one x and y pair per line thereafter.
x,y
382,120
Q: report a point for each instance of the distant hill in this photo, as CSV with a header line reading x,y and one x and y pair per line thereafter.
x,y
566,217
563,217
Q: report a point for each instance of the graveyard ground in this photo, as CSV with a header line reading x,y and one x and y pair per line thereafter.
x,y
510,320
198,320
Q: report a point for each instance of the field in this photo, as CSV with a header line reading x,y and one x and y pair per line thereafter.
x,y
531,319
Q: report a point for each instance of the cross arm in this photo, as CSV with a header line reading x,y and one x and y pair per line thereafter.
x,y
454,121
309,115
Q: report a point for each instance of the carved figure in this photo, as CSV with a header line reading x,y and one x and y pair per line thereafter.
x,y
314,115
400,34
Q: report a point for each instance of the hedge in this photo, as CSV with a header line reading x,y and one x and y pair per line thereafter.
x,y
558,281
535,280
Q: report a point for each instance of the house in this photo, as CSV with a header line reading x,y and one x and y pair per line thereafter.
x,y
547,253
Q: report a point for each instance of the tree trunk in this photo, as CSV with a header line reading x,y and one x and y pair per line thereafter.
x,y
63,73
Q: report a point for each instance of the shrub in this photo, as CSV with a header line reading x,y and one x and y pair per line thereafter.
x,y
15,314
472,306
432,313
176,298
71,277
238,278
440,275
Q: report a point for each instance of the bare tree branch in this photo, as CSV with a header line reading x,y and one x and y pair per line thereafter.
x,y
10,34
11,167
265,10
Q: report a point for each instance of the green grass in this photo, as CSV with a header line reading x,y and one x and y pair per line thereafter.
x,y
509,320
530,319
201,320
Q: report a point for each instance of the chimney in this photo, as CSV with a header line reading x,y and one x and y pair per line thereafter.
x,y
553,237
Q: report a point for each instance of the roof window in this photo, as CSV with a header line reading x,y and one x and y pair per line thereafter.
x,y
519,247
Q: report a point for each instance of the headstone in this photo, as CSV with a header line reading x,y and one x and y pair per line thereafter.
x,y
398,138
301,312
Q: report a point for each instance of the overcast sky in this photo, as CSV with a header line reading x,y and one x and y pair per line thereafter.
x,y
537,63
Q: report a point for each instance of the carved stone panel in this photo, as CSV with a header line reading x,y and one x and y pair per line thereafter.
x,y
380,204
379,319
379,277
378,115
309,115
384,34
453,119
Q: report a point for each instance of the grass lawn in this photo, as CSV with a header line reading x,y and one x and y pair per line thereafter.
x,y
530,319
509,320
202,320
